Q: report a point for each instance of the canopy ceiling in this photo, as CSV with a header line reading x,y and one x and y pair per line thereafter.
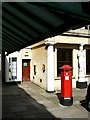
x,y
26,23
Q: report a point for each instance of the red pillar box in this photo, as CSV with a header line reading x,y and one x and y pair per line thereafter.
x,y
66,85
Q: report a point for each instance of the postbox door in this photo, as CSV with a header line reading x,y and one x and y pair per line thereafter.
x,y
68,85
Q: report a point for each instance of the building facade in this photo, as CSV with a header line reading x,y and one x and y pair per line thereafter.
x,y
40,62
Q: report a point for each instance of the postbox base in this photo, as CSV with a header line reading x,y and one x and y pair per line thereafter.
x,y
81,85
66,101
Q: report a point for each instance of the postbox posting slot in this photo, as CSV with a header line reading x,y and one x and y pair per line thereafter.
x,y
66,70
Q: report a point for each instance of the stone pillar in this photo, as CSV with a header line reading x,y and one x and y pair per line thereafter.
x,y
81,83
50,68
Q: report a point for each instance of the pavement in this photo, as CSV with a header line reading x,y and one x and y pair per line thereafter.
x,y
27,100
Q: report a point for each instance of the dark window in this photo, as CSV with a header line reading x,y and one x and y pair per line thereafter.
x,y
88,62
34,69
14,59
64,56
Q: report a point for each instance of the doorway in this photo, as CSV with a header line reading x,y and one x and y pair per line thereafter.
x,y
26,70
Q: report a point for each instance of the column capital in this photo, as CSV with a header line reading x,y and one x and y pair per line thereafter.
x,y
50,44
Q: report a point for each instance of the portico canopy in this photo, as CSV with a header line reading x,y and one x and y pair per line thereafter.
x,y
25,23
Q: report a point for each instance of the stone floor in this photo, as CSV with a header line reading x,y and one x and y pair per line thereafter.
x,y
27,100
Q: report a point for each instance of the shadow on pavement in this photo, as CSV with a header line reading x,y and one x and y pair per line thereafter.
x,y
84,104
17,104
58,96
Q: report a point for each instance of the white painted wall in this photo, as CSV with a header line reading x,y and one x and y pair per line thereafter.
x,y
39,57
70,40
25,53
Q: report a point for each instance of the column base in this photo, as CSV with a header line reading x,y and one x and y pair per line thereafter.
x,y
81,85
66,101
50,91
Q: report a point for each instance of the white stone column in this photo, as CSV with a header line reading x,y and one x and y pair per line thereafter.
x,y
50,68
